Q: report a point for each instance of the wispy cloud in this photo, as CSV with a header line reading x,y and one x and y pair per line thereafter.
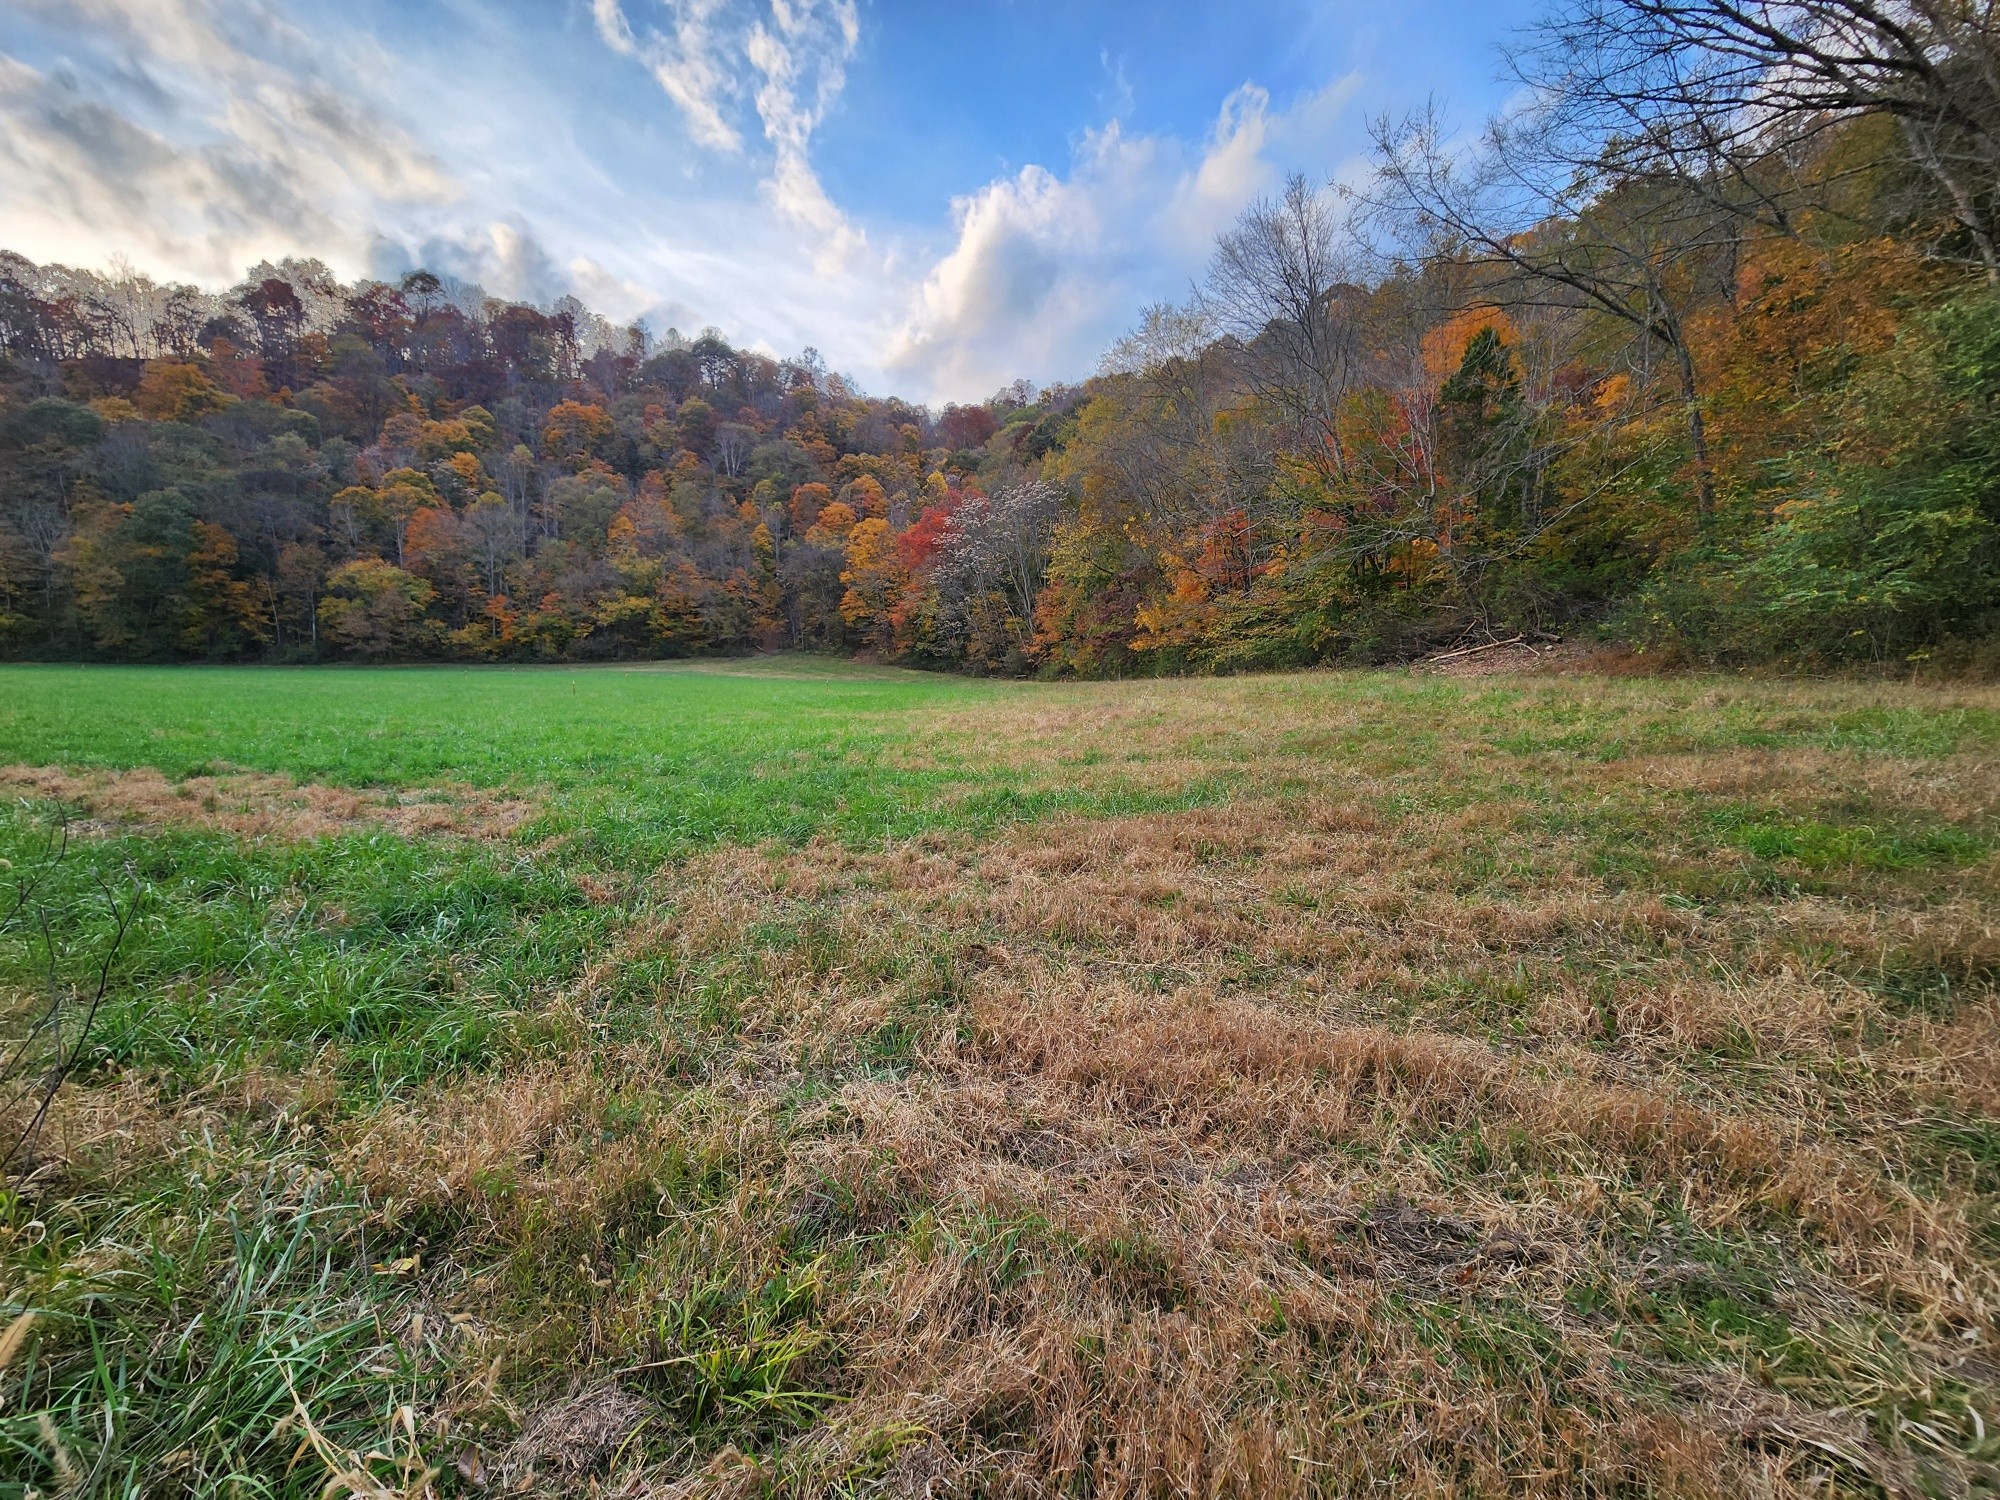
x,y
690,59
804,51
210,136
704,57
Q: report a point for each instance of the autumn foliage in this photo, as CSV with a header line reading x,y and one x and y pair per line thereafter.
x,y
1659,418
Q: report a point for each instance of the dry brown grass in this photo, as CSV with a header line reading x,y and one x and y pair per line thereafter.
x,y
252,804
1232,1126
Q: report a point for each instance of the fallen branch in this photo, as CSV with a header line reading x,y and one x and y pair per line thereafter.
x,y
1519,640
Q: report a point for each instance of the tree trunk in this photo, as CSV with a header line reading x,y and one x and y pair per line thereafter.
x,y
1704,475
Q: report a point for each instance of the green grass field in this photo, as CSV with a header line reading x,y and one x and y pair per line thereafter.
x,y
646,763
797,1078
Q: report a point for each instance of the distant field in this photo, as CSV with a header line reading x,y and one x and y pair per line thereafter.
x,y
794,1078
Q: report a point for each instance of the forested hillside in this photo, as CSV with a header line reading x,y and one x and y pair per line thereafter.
x,y
1697,351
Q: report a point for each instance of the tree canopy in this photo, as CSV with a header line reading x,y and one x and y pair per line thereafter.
x,y
1694,350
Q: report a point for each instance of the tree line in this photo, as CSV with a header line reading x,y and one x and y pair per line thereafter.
x,y
1696,349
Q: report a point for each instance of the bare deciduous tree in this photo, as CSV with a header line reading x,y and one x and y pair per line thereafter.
x,y
1729,80
998,542
733,442
1281,283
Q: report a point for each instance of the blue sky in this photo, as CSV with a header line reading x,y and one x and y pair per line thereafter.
x,y
941,195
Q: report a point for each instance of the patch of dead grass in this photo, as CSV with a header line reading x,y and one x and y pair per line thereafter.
x,y
1198,1072
253,804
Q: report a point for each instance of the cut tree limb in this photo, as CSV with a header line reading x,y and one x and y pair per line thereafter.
x,y
1519,640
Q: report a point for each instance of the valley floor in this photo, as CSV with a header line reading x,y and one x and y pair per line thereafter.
x,y
786,1078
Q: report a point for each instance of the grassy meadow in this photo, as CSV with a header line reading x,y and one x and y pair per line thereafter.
x,y
789,1078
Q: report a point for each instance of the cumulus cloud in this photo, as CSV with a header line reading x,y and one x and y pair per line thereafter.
x,y
798,51
503,259
1046,271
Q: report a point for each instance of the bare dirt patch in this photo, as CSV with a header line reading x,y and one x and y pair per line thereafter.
x,y
254,804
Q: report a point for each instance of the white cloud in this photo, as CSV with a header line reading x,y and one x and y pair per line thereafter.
x,y
688,60
798,50
220,141
505,259
198,137
1048,270
808,43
